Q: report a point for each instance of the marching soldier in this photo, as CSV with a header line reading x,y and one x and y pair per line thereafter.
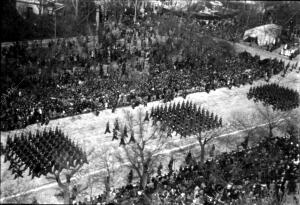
x,y
107,130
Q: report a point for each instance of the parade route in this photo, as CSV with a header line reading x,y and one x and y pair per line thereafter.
x,y
88,129
165,152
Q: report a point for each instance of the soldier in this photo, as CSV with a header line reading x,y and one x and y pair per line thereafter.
x,y
132,137
117,127
125,131
107,130
122,141
115,135
170,165
147,116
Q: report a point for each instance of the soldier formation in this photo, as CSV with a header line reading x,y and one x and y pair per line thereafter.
x,y
280,98
185,119
46,152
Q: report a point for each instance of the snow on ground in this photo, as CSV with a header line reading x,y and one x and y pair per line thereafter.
x,y
88,129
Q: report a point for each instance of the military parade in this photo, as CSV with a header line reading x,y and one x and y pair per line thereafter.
x,y
141,102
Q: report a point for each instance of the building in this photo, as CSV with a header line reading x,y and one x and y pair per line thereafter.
x,y
37,7
264,35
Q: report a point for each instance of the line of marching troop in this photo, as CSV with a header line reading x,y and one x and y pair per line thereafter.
x,y
185,119
42,152
280,98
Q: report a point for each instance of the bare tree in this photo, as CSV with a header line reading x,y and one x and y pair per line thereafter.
x,y
263,117
143,153
204,138
63,179
106,161
101,172
247,123
273,118
291,127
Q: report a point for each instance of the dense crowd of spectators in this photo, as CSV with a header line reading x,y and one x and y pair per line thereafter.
x,y
227,29
93,88
280,98
133,64
262,173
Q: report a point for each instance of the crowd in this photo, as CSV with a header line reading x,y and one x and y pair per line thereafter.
x,y
42,153
227,29
84,91
262,173
134,64
280,98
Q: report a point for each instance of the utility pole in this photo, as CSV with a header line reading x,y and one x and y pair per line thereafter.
x,y
98,18
100,21
135,7
75,5
54,10
55,24
40,8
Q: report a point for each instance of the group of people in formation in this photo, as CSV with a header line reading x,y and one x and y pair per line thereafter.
x,y
185,119
280,98
42,153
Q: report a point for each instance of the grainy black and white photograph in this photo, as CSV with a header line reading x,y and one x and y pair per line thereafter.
x,y
150,102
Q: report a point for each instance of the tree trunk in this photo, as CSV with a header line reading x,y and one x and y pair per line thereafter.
x,y
107,187
143,181
67,196
76,9
40,8
202,155
65,187
67,191
202,148
270,131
